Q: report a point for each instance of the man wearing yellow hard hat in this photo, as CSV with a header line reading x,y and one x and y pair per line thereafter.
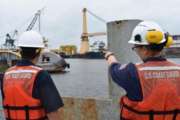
x,y
153,86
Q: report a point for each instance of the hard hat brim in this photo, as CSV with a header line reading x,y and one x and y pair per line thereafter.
x,y
30,46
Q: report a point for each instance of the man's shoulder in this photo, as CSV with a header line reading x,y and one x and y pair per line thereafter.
x,y
43,74
43,77
130,66
118,70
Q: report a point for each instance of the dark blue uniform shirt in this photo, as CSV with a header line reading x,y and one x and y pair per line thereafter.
x,y
127,77
44,89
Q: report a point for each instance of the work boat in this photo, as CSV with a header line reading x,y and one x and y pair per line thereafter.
x,y
52,62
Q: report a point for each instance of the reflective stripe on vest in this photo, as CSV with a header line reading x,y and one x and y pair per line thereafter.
x,y
160,84
18,86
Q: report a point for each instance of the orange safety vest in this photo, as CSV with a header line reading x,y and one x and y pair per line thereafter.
x,y
160,84
18,101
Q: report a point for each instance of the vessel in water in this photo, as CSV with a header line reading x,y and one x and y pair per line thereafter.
x,y
52,62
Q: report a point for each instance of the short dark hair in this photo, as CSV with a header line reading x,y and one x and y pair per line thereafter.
x,y
155,47
29,53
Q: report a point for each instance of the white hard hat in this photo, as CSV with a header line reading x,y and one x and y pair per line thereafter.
x,y
146,33
31,39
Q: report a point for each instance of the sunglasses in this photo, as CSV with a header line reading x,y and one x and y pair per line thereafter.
x,y
136,46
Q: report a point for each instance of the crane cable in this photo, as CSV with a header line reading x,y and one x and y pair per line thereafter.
x,y
97,17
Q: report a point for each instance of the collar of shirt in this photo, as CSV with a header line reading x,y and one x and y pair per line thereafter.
x,y
24,62
155,58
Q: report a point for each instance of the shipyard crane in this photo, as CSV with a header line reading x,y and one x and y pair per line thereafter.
x,y
98,18
31,25
36,17
84,37
10,39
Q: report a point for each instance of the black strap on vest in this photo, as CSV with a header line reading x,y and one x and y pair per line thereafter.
x,y
25,108
151,113
43,118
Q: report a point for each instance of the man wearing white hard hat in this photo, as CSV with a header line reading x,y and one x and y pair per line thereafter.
x,y
153,86
29,91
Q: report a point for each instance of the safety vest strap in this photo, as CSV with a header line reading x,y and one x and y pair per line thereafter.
x,y
151,113
122,118
43,118
25,108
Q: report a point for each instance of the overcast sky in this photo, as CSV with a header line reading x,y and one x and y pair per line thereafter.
x,y
62,19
